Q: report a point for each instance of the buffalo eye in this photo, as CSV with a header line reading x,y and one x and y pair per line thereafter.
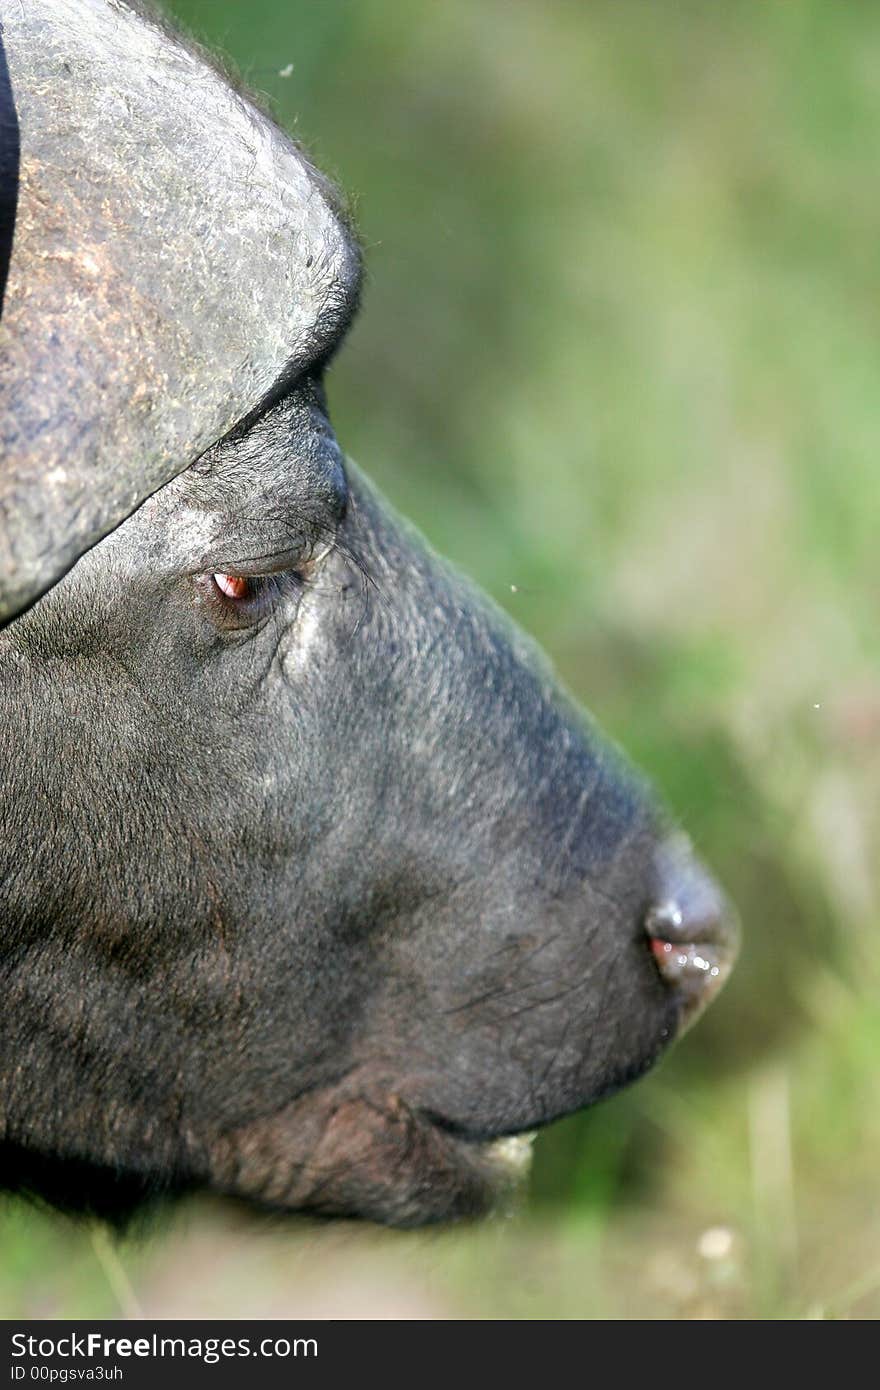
x,y
233,586
245,600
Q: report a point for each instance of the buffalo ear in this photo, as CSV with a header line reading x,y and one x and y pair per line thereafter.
x,y
171,253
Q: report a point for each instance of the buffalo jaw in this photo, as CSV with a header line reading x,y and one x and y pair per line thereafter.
x,y
344,1153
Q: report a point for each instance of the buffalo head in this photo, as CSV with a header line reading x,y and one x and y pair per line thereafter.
x,y
315,887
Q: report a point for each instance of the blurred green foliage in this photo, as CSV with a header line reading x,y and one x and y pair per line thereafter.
x,y
620,358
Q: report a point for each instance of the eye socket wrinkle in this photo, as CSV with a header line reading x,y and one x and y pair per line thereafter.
x,y
305,538
311,540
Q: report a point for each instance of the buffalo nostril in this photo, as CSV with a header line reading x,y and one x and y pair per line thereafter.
x,y
692,929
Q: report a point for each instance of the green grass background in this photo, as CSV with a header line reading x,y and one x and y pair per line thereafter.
x,y
620,358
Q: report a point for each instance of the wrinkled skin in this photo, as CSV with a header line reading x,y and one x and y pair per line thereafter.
x,y
312,887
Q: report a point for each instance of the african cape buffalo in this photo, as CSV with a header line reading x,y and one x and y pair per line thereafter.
x,y
315,887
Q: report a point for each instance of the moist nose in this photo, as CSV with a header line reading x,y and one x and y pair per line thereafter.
x,y
692,928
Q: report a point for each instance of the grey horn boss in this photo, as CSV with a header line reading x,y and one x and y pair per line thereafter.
x,y
315,886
